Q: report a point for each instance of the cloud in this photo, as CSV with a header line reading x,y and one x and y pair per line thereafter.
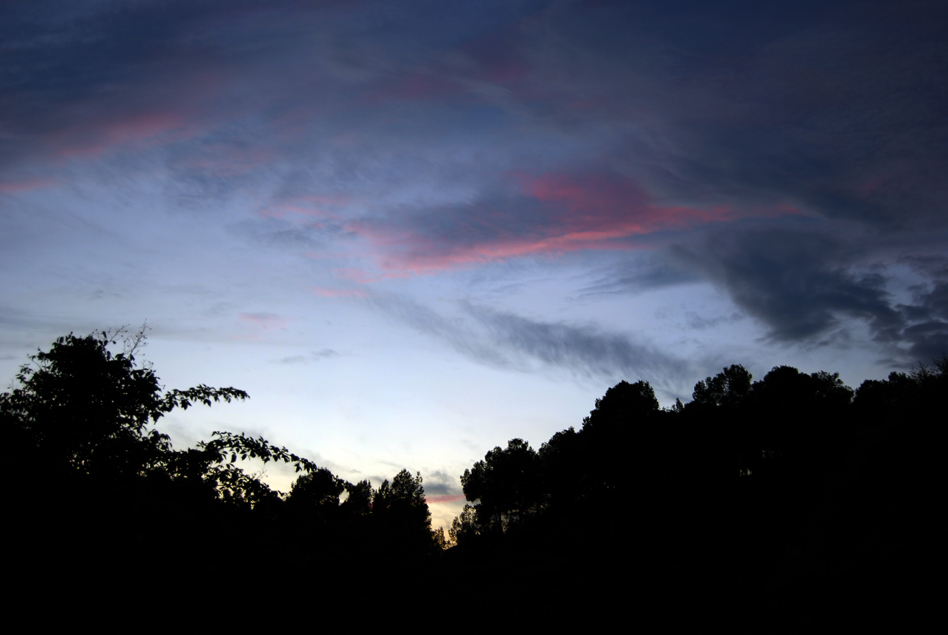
x,y
265,321
293,359
928,316
585,350
454,331
444,498
831,111
793,280
510,341
647,270
326,353
807,283
25,185
329,292
701,323
928,342
441,487
544,215
397,145
150,128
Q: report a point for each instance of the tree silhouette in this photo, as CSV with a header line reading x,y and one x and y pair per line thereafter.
x,y
464,527
319,489
101,482
401,514
82,409
359,499
106,494
752,500
623,404
726,388
505,485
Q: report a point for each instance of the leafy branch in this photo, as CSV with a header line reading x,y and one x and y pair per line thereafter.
x,y
240,445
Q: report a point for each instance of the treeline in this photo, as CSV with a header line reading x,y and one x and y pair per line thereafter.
x,y
762,506
99,489
674,462
767,506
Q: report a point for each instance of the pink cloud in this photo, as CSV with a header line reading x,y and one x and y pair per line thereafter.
x,y
444,498
420,261
141,130
294,123
269,212
346,140
881,181
423,87
361,276
328,199
319,206
507,72
327,292
497,56
266,321
446,84
569,212
14,187
225,161
575,212
416,87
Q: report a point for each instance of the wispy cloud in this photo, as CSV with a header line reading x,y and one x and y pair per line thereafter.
x,y
544,215
329,292
807,283
265,321
441,487
444,498
512,341
25,185
313,356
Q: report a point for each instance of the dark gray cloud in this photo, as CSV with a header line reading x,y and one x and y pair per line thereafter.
x,y
830,107
824,106
287,233
585,349
647,270
702,323
512,341
455,331
620,112
439,484
71,71
293,359
928,341
804,284
927,334
325,353
794,280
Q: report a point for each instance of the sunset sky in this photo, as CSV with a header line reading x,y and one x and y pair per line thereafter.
x,y
415,230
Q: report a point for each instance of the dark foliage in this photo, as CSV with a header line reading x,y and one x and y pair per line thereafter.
x,y
765,506
787,504
103,494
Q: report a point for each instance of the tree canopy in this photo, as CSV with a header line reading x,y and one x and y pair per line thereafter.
x,y
728,488
81,408
82,420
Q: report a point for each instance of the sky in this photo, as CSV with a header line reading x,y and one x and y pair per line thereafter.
x,y
414,230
